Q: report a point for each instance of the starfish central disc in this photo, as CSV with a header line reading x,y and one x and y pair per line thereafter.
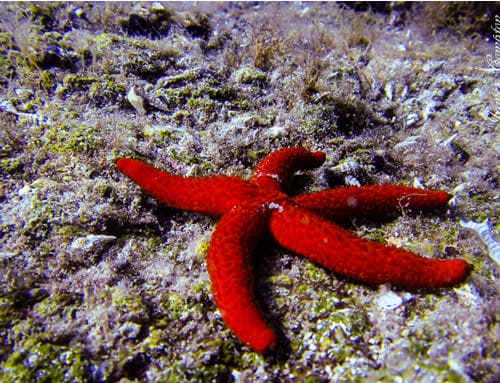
x,y
251,208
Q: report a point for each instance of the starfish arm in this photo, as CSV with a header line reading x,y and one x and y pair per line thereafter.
x,y
275,169
334,248
373,201
231,275
209,195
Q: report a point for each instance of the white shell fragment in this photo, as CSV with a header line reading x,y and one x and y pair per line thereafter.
x,y
417,183
449,140
409,141
91,242
388,301
136,101
485,232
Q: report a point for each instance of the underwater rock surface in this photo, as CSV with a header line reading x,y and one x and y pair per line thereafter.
x,y
100,283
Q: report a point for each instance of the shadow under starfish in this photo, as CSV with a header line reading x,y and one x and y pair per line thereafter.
x,y
250,208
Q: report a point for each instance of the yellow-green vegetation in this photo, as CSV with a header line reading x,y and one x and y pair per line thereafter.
x,y
41,361
7,67
10,304
175,305
62,305
463,18
249,75
98,91
71,138
11,165
131,306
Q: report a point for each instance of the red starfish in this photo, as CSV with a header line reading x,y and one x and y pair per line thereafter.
x,y
249,208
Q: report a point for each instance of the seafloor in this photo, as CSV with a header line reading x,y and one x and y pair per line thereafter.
x,y
100,283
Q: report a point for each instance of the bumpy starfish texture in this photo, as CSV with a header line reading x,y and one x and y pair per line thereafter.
x,y
250,208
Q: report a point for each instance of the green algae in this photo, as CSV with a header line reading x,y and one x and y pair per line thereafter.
x,y
255,155
11,165
7,59
98,90
182,79
158,134
314,273
106,40
73,82
140,58
10,310
131,306
176,306
63,305
43,362
249,75
154,339
441,371
377,235
71,137
106,91
149,66
47,80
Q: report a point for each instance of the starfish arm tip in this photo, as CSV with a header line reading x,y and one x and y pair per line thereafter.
x,y
457,271
445,273
129,166
336,249
443,196
229,268
264,342
320,157
121,163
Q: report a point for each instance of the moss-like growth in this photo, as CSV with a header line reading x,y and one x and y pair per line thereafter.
x,y
155,24
197,24
43,362
62,305
99,91
175,305
249,75
107,91
463,18
9,309
7,64
74,83
71,137
47,80
129,305
42,14
11,165
150,66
